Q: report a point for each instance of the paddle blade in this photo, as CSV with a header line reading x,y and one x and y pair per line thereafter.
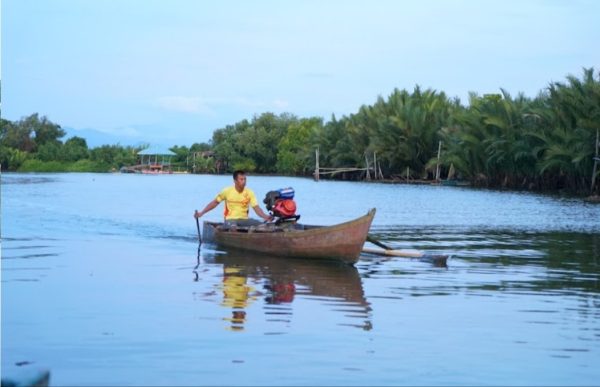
x,y
437,260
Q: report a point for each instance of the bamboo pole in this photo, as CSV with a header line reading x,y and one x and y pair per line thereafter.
x,y
437,168
368,176
396,253
340,170
317,164
375,164
595,161
439,260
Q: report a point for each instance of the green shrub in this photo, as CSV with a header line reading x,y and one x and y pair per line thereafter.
x,y
11,159
247,165
87,165
35,165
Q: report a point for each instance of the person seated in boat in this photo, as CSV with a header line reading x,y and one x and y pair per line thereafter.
x,y
238,198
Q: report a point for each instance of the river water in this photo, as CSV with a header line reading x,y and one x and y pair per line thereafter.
x,y
103,284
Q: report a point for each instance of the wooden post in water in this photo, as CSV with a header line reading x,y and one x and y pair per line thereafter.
x,y
317,164
437,168
407,170
375,164
368,177
596,159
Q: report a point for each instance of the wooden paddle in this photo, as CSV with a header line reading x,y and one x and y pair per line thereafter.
x,y
198,228
436,259
374,241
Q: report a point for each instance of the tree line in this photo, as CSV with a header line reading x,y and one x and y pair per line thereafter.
x,y
547,142
33,144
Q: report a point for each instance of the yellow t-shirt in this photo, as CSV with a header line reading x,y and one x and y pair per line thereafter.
x,y
236,203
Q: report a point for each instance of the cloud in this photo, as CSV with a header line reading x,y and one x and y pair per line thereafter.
x,y
184,104
280,103
208,106
277,103
319,75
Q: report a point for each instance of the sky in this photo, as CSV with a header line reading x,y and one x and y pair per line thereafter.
x,y
170,72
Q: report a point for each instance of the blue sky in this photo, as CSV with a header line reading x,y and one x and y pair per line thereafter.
x,y
171,72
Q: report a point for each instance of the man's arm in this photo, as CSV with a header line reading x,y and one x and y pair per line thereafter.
x,y
208,207
261,213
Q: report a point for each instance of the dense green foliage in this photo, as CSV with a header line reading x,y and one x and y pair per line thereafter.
x,y
33,144
546,143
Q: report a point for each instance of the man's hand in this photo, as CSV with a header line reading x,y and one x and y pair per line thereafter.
x,y
262,214
197,214
267,217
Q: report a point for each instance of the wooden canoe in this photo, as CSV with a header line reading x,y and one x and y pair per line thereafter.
x,y
342,241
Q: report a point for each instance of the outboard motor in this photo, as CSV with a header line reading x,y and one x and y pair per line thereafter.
x,y
281,205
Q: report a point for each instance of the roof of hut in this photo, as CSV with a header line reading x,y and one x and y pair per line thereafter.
x,y
156,150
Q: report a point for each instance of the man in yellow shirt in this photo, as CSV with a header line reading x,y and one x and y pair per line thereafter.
x,y
238,198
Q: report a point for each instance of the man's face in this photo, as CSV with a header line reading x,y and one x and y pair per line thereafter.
x,y
240,182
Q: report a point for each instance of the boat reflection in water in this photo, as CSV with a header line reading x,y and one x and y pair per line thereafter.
x,y
278,283
237,295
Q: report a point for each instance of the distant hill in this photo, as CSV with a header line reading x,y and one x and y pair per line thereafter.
x,y
96,138
148,135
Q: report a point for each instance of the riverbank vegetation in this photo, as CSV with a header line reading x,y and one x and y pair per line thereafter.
x,y
497,140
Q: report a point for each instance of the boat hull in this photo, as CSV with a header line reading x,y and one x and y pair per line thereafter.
x,y
343,241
